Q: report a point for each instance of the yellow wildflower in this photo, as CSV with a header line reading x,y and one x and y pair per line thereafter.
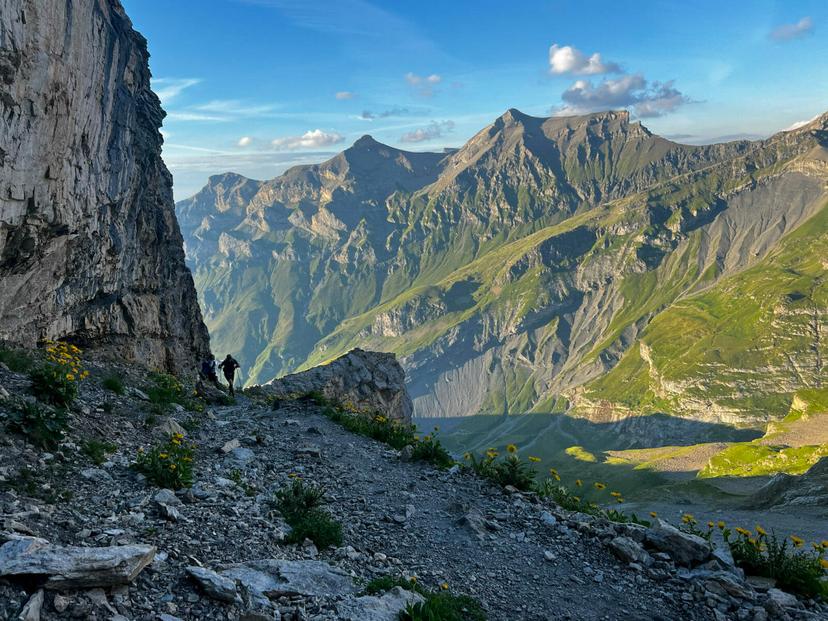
x,y
720,524
511,448
761,531
653,514
824,563
825,544
172,466
615,494
444,586
162,455
554,474
467,455
710,525
70,377
534,459
742,531
599,486
619,500
797,541
578,482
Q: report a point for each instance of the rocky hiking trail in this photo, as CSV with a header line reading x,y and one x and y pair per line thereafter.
x,y
219,549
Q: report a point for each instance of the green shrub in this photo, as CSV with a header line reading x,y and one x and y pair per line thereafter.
x,y
511,470
428,448
795,570
299,498
18,360
386,583
169,465
97,450
42,425
114,383
301,506
165,389
316,525
444,606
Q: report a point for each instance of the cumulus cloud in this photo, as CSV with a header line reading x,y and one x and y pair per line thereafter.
x,y
343,95
245,141
312,139
565,59
786,32
435,129
168,89
367,115
628,91
423,84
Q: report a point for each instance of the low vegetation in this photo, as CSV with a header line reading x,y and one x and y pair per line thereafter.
x,y
98,450
441,605
114,383
56,380
758,553
301,505
18,360
168,465
394,433
43,425
444,606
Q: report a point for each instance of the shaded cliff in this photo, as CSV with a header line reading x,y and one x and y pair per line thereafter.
x,y
90,248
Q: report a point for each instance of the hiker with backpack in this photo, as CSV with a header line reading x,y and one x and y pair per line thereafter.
x,y
229,366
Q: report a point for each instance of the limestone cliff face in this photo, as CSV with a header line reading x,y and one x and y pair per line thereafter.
x,y
90,248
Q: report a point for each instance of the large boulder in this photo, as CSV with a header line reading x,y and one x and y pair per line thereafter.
x,y
684,548
374,608
369,381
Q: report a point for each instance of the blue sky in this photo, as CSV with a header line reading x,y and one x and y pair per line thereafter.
x,y
255,86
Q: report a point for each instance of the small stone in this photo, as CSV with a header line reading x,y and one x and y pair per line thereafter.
x,y
230,445
215,586
548,519
167,497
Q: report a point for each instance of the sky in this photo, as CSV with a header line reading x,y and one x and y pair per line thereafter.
x,y
257,86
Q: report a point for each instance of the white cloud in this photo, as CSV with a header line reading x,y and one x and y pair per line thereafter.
x,y
786,32
168,89
343,95
628,91
223,110
433,130
565,59
367,115
309,140
245,141
424,84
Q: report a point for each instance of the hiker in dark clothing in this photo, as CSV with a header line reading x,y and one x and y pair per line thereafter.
x,y
229,366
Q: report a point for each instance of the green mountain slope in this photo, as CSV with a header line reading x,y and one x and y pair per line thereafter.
x,y
538,268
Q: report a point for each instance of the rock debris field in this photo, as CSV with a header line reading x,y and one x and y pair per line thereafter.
x,y
217,550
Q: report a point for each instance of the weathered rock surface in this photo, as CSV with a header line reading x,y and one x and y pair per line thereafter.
x,y
67,567
274,578
216,586
90,248
684,548
369,381
384,608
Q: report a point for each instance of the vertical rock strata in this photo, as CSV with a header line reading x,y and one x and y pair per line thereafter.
x,y
90,248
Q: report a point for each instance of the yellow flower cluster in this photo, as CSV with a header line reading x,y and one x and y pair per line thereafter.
x,y
67,357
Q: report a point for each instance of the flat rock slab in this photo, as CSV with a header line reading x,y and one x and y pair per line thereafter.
x,y
373,608
272,578
69,567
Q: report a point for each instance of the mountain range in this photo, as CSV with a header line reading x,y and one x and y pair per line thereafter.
x,y
579,264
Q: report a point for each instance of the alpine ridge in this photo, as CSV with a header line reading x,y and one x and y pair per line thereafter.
x,y
544,266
